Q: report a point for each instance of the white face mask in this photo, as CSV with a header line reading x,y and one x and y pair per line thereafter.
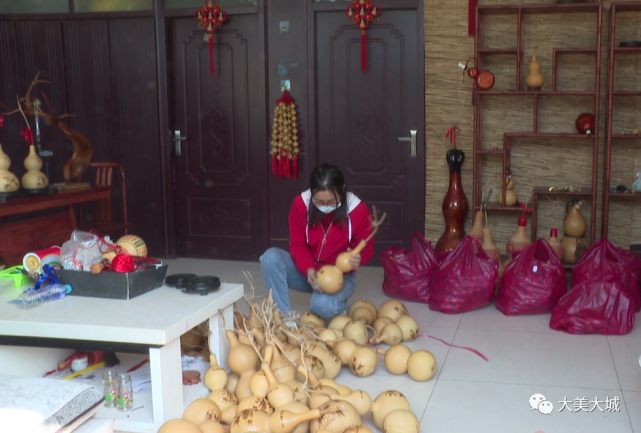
x,y
327,209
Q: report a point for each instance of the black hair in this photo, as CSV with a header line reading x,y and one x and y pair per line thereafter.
x,y
326,177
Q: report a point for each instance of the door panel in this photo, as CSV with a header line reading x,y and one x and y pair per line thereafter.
x,y
361,115
219,178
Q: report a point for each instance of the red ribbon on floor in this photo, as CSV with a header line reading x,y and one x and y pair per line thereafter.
x,y
458,347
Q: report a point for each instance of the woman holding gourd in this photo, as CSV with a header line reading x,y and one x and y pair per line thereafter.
x,y
324,221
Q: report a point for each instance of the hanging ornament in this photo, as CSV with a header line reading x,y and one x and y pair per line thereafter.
x,y
209,17
363,12
285,138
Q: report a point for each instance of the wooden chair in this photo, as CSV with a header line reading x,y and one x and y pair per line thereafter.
x,y
102,220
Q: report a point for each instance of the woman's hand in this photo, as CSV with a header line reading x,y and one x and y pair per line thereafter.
x,y
311,279
354,260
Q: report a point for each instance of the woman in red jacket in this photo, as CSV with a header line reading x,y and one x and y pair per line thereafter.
x,y
324,221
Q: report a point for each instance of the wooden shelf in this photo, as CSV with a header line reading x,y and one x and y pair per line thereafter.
x,y
627,50
490,152
626,136
539,9
496,206
524,26
624,195
613,49
541,190
533,92
498,51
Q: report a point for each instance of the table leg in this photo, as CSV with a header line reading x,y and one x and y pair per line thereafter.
x,y
72,217
218,343
166,381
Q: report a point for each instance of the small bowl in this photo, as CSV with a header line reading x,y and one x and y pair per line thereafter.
x,y
177,279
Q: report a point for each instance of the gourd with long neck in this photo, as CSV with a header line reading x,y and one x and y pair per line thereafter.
x,y
242,360
477,227
259,385
283,370
520,239
279,394
554,242
488,245
331,363
455,205
574,223
319,393
215,377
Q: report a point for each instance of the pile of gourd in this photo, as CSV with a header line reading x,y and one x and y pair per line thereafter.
x,y
281,378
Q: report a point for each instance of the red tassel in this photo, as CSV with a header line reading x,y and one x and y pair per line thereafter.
x,y
295,166
211,55
289,166
471,17
364,51
274,165
280,165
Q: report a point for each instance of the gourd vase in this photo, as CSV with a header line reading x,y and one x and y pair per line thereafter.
x,y
33,179
454,204
8,181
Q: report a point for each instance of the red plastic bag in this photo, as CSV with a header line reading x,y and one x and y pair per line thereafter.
x,y
465,280
600,305
533,282
407,274
605,257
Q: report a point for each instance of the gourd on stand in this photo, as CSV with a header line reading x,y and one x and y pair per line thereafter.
x,y
520,239
455,205
510,196
574,226
534,80
554,242
9,184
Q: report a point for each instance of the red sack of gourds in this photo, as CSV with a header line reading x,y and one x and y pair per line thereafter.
x,y
407,274
533,282
464,280
600,305
605,257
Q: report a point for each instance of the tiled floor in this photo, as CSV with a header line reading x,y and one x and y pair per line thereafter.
x,y
525,356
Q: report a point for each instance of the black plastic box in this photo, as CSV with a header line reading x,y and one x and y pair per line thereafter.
x,y
113,285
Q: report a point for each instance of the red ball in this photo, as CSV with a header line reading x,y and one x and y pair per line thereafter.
x,y
123,263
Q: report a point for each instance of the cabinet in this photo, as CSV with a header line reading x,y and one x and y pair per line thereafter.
x,y
532,132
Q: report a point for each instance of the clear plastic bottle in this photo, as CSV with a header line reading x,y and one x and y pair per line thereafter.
x,y
109,388
125,393
46,294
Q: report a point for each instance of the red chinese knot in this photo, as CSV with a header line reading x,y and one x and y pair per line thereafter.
x,y
363,12
209,17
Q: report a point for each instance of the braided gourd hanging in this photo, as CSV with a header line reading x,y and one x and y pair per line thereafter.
x,y
285,138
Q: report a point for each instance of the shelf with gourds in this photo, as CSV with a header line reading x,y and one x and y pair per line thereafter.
x,y
624,48
587,128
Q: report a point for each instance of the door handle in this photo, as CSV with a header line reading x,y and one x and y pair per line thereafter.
x,y
411,140
178,147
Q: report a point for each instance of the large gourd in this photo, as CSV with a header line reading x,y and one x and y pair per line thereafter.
x,y
401,421
330,279
201,410
421,366
385,403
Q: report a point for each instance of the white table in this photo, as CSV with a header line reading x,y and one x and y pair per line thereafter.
x,y
156,320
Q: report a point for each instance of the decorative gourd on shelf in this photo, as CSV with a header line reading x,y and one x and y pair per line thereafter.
x,y
534,80
33,180
8,181
554,242
585,123
510,196
455,203
574,227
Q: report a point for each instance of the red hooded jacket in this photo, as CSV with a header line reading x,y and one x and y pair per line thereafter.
x,y
306,242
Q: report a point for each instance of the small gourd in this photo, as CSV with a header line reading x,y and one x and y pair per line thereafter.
x,y
338,415
362,303
365,315
331,363
396,358
401,421
201,410
223,398
339,322
391,334
356,331
242,360
409,326
385,403
421,366
215,377
330,279
363,361
256,403
534,80
309,317
361,401
392,309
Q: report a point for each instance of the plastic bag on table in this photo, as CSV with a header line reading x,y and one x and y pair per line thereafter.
x,y
605,257
600,305
465,280
81,251
533,282
407,274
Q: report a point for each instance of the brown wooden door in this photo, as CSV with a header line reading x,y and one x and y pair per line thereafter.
x,y
220,194
361,115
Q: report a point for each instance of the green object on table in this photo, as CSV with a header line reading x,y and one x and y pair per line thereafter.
x,y
14,277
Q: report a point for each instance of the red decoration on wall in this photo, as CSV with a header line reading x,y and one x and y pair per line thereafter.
x,y
209,17
285,138
363,12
